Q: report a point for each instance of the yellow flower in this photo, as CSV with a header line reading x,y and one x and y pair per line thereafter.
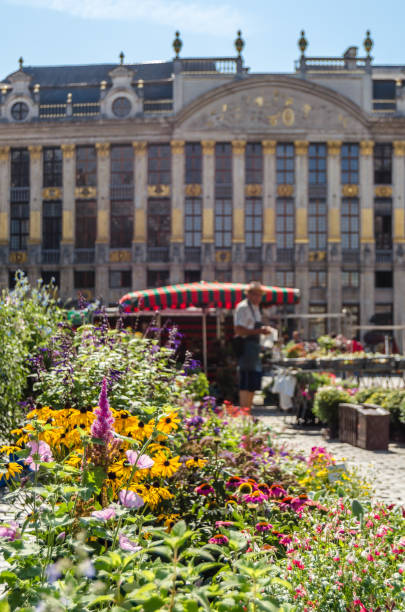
x,y
74,459
168,423
196,462
81,418
9,449
13,469
165,467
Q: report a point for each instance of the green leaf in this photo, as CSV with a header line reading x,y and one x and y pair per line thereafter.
x,y
282,582
179,529
270,605
162,551
4,606
357,509
152,604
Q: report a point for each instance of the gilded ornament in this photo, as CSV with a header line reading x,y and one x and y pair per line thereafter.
x,y
350,191
288,117
253,191
4,153
383,191
120,256
140,147
158,191
368,43
366,147
302,43
208,147
85,193
223,256
238,147
301,147
177,44
103,149
35,152
399,148
285,191
177,147
334,147
68,151
269,147
52,193
239,43
193,190
17,257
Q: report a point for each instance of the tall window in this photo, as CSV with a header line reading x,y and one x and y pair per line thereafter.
x,y
159,222
51,225
223,224
84,279
317,164
383,163
285,278
120,279
350,279
193,222
383,224
20,168
350,223
253,222
285,163
223,170
19,226
157,278
193,163
349,158
86,224
253,163
285,223
52,167
122,165
317,279
159,160
317,230
86,167
121,224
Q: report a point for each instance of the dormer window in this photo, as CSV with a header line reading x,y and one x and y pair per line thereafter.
x,y
19,111
121,107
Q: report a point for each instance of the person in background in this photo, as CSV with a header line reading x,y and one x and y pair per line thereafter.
x,y
248,325
296,336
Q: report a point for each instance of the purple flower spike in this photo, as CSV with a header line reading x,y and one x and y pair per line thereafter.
x,y
127,544
102,425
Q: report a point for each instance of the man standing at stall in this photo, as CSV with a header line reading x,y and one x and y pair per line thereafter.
x,y
248,328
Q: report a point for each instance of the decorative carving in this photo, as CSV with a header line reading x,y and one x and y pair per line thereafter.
x,y
285,191
52,193
120,256
301,147
366,147
68,151
238,147
158,191
253,191
193,190
18,257
399,148
208,147
4,153
85,193
350,191
140,147
177,147
269,147
35,152
383,191
288,116
334,147
223,256
103,149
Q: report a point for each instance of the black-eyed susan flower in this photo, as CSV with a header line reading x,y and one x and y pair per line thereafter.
x,y
245,488
13,469
168,423
165,467
195,462
9,449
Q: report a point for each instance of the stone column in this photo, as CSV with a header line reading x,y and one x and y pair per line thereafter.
x,y
301,229
269,211
4,214
398,224
140,209
67,244
208,179
334,249
238,191
103,220
35,235
177,237
367,281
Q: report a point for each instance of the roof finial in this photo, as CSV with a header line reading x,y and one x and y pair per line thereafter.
x,y
368,43
302,43
122,56
177,43
20,62
239,43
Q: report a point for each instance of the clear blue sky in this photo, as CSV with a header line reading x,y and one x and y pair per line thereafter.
x,y
50,32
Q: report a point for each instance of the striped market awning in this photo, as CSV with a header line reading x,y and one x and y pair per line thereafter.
x,y
203,294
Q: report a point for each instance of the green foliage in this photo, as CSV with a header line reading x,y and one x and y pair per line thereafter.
x,y
198,386
28,318
326,404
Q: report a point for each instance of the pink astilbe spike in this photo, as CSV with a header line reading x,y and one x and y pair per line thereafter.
x,y
102,425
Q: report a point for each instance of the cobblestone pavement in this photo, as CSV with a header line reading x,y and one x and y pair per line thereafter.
x,y
384,470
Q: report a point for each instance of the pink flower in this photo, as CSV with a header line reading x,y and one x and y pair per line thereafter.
x,y
102,426
130,499
10,531
257,497
296,503
40,453
298,563
204,489
277,490
219,539
104,515
143,462
127,544
224,523
263,526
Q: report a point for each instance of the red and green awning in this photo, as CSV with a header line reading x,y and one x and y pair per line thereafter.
x,y
210,294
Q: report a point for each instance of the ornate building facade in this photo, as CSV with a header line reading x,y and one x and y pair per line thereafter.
x,y
118,177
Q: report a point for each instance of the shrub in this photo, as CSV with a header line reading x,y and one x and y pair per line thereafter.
x,y
326,404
